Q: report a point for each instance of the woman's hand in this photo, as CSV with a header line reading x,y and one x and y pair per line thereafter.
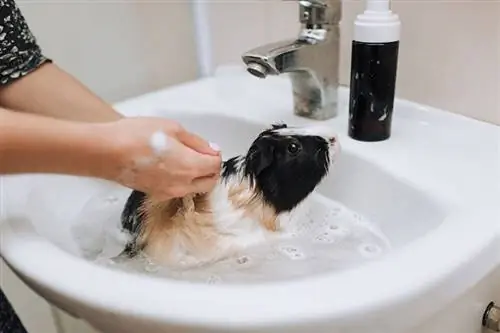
x,y
159,157
153,155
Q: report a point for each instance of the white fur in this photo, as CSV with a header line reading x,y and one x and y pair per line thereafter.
x,y
325,132
238,230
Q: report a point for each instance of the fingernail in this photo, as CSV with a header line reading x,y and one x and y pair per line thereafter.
x,y
214,146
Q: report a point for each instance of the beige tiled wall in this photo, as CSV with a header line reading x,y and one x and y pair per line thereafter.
x,y
118,48
450,49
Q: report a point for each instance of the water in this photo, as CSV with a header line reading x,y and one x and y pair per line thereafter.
x,y
322,236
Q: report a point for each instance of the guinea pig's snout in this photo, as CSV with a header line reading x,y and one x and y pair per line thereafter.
x,y
334,144
333,140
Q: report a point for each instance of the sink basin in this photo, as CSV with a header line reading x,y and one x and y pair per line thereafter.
x,y
441,246
52,203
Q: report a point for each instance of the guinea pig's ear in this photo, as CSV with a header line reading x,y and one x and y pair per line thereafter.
x,y
278,125
260,158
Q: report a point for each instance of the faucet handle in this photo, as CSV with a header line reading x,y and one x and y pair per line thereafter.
x,y
312,3
319,12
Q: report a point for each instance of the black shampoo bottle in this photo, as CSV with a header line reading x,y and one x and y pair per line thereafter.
x,y
374,62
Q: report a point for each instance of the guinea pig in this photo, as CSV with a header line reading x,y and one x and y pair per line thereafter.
x,y
282,167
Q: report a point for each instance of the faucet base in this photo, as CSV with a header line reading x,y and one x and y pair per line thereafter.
x,y
301,109
311,100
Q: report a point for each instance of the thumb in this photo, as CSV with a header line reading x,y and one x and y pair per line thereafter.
x,y
202,165
196,143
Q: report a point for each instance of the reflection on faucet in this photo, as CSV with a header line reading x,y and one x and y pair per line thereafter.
x,y
311,60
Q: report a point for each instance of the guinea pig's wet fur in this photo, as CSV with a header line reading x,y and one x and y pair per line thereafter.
x,y
282,167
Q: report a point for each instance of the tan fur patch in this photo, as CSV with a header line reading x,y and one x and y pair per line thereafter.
x,y
183,224
184,229
253,206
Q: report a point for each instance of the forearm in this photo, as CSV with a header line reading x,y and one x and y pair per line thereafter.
x,y
50,91
34,144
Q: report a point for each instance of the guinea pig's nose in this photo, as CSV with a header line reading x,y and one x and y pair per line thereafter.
x,y
332,140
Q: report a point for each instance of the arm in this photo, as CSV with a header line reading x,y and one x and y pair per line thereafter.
x,y
35,144
118,151
30,82
50,91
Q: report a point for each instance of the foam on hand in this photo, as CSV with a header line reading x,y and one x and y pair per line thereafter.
x,y
159,142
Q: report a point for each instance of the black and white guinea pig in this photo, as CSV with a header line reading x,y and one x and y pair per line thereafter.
x,y
281,168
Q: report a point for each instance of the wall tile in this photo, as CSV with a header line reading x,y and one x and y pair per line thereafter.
x,y
118,49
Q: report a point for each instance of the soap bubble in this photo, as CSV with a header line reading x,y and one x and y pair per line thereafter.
x,y
323,236
370,250
242,260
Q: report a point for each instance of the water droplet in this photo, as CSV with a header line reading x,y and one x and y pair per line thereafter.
x,y
297,255
339,231
242,260
323,239
291,252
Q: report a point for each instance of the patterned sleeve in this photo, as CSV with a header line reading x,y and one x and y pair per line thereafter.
x,y
19,52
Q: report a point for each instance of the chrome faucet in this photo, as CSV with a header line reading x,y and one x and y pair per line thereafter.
x,y
311,60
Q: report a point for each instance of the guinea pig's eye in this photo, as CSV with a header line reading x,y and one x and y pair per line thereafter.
x,y
293,148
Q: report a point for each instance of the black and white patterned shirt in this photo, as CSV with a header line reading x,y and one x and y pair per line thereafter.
x,y
19,55
19,52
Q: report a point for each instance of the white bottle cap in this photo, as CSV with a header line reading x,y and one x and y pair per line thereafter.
x,y
377,24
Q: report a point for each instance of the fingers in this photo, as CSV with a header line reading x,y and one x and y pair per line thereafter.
x,y
209,165
196,143
198,185
199,165
203,184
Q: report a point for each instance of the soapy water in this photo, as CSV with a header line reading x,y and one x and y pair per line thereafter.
x,y
321,236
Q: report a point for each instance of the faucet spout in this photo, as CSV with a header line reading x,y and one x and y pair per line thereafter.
x,y
311,61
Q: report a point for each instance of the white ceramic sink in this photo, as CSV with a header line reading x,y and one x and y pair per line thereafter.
x,y
431,188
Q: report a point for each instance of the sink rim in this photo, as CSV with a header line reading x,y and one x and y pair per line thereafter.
x,y
266,303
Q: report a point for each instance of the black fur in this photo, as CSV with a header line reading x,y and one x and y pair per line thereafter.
x,y
282,175
229,167
286,177
132,219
